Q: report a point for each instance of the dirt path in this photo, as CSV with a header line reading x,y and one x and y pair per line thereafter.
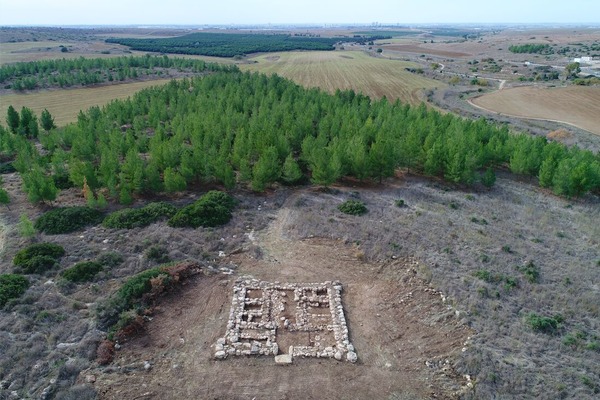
x,y
3,233
400,327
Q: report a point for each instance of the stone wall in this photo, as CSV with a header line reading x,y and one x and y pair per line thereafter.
x,y
311,316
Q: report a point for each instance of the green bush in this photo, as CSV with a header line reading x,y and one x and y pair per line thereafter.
x,y
82,272
544,324
158,254
7,168
137,286
129,295
531,272
353,207
12,286
212,209
25,256
139,217
67,219
400,203
110,259
39,265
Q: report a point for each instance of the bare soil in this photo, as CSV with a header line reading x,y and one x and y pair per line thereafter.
x,y
397,324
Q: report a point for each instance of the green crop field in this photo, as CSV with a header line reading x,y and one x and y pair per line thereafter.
x,y
375,77
64,105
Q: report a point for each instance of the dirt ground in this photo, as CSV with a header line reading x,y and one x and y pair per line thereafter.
x,y
397,324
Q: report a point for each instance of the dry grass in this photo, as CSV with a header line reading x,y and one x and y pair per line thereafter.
x,y
329,70
64,105
574,105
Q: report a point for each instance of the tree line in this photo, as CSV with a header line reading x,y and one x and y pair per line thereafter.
x,y
81,72
234,44
531,48
237,128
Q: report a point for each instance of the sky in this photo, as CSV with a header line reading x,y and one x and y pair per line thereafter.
x,y
248,12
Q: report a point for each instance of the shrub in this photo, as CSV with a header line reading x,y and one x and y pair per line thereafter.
x,y
400,203
544,324
7,168
12,286
219,197
110,259
82,272
67,219
129,323
39,265
484,275
353,207
129,295
139,217
531,272
158,254
39,255
212,209
138,285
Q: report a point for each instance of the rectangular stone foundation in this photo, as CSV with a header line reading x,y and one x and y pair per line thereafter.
x,y
296,319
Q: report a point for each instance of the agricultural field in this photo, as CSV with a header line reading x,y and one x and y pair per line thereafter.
x,y
64,105
574,105
356,70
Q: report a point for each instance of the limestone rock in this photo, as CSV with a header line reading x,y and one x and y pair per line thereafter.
x,y
283,359
220,355
351,356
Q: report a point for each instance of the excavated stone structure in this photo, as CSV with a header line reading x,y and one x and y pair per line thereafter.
x,y
306,319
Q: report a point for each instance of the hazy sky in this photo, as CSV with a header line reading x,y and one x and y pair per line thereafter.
x,y
118,12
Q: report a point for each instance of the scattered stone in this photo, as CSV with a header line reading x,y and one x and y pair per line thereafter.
x,y
147,365
221,355
90,378
283,359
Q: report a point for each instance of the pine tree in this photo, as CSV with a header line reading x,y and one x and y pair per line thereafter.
x,y
88,194
101,202
26,228
173,181
382,158
435,159
47,121
125,196
4,198
38,186
28,121
12,119
488,179
266,170
291,172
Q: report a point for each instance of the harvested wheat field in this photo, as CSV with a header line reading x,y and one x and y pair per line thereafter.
x,y
574,105
64,105
355,70
412,48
